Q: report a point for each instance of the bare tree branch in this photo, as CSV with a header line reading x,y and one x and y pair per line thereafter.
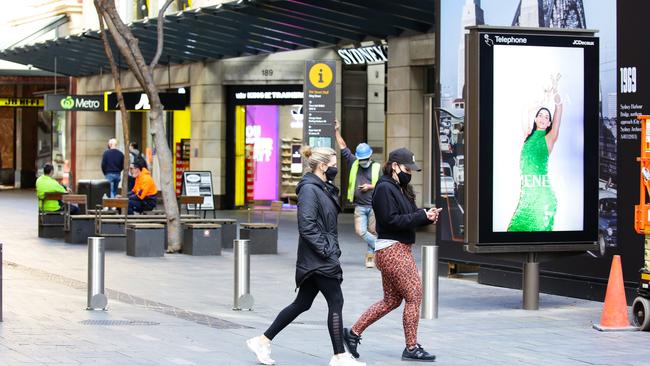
x,y
127,43
160,25
123,44
120,99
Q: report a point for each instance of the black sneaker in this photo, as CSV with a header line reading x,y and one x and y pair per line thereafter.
x,y
351,342
417,354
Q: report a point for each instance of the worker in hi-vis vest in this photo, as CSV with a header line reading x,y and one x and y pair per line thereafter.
x,y
364,174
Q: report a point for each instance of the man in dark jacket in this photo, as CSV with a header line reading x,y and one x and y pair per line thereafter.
x,y
112,166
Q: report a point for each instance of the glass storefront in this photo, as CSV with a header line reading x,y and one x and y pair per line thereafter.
x,y
266,126
52,145
272,134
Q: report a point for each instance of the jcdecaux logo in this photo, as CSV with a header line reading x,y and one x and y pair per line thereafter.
x,y
67,102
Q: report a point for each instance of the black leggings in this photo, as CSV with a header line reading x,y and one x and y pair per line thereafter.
x,y
331,289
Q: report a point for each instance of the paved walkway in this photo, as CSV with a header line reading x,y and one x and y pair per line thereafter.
x,y
176,310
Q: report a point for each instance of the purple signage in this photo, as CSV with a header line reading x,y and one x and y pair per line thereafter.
x,y
262,133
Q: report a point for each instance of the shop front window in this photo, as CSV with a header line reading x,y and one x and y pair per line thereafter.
x,y
262,150
269,163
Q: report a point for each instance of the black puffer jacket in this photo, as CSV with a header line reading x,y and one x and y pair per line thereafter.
x,y
397,217
318,245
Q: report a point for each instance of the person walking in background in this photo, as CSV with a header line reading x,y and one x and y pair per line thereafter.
x,y
134,152
364,174
112,166
318,268
397,219
143,196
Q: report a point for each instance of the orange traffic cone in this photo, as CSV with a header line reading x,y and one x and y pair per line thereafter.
x,y
615,316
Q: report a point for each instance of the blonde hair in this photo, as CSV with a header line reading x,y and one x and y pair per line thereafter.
x,y
316,155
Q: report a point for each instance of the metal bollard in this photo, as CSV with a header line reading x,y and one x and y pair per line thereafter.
x,y
530,284
242,297
96,297
429,282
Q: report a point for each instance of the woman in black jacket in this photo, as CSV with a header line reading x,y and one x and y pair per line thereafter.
x,y
317,267
397,218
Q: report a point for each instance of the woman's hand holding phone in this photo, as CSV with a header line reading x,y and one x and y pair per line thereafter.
x,y
433,213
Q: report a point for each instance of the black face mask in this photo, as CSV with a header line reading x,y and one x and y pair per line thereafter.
x,y
331,172
404,178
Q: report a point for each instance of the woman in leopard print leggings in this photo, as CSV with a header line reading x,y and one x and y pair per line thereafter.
x,y
397,218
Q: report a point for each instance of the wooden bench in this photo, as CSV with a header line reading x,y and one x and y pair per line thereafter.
x,y
72,199
50,224
197,201
83,226
201,239
228,229
275,207
145,240
263,236
115,235
118,203
114,227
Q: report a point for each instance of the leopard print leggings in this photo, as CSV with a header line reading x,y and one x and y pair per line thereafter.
x,y
400,279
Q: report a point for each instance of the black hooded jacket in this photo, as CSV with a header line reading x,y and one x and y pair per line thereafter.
x,y
397,217
318,245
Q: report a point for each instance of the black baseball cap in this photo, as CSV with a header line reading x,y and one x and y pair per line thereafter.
x,y
405,157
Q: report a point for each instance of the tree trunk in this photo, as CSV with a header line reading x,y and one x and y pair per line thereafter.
x,y
128,46
165,163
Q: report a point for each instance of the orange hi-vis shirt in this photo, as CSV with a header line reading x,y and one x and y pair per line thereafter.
x,y
144,185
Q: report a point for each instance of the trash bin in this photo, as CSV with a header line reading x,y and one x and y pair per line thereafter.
x,y
93,189
100,188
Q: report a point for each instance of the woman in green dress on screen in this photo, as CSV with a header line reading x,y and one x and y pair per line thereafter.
x,y
537,202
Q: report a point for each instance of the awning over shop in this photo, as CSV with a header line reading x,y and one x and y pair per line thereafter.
x,y
239,28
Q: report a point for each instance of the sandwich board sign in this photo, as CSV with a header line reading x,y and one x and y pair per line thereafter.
x,y
199,183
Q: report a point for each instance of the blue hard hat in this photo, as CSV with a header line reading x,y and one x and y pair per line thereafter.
x,y
363,151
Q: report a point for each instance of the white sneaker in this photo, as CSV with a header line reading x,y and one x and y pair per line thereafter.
x,y
261,349
345,360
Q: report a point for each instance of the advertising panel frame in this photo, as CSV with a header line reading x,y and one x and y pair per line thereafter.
x,y
478,194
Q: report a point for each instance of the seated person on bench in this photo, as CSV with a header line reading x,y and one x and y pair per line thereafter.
x,y
46,184
143,196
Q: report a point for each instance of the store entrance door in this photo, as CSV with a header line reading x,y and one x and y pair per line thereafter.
x,y
354,120
265,127
264,156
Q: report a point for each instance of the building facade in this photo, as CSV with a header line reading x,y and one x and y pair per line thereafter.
x,y
385,102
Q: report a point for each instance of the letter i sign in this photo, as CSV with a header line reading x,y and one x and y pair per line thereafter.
x,y
320,75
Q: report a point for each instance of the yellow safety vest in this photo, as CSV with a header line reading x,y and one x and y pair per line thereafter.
x,y
352,184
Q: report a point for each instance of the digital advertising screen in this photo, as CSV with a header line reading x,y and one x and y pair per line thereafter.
x,y
537,138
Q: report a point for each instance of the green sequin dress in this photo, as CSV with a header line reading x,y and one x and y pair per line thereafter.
x,y
537,202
